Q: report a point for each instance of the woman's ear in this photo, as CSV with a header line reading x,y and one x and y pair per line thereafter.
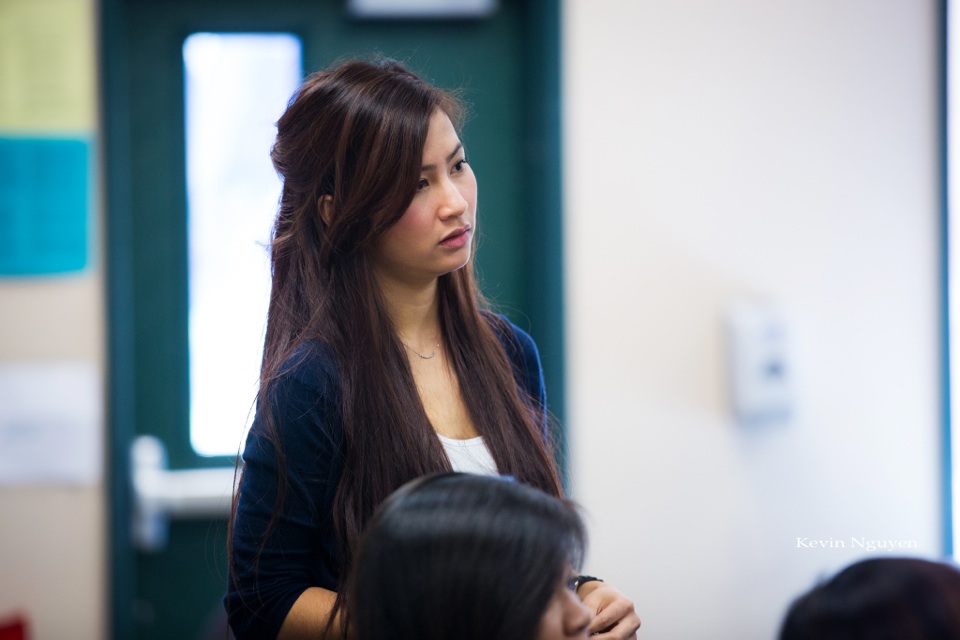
x,y
326,209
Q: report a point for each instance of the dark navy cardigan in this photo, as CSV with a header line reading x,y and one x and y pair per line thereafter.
x,y
302,550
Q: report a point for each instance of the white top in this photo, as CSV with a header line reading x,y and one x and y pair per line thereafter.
x,y
469,456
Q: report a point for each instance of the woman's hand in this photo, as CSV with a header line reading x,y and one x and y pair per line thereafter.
x,y
613,614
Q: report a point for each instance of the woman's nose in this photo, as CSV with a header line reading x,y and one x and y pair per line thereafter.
x,y
454,204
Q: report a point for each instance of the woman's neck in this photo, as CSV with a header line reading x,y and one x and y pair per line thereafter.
x,y
414,312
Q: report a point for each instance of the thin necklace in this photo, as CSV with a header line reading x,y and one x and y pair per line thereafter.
x,y
427,357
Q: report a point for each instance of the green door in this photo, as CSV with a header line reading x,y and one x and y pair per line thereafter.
x,y
508,65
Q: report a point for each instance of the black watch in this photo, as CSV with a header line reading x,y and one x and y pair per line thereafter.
x,y
581,580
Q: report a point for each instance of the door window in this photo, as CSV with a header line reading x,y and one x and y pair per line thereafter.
x,y
236,86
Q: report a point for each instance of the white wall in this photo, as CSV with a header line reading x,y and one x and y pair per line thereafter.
x,y
716,150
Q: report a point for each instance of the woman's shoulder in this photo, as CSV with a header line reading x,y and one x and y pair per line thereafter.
x,y
524,357
311,364
301,402
517,342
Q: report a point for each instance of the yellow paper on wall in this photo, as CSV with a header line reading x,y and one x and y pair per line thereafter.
x,y
47,67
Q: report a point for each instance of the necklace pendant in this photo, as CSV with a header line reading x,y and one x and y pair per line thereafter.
x,y
432,354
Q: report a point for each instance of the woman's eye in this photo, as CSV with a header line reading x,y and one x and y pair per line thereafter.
x,y
422,184
459,165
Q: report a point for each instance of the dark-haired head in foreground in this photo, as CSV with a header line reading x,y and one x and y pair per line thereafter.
x,y
458,556
880,598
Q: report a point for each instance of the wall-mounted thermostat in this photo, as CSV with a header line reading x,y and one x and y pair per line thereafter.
x,y
760,368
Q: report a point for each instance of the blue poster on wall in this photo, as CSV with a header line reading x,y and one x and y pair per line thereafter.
x,y
44,205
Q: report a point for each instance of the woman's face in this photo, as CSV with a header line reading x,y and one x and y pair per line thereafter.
x,y
434,236
566,617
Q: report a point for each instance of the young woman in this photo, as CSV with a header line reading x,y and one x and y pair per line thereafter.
x,y
469,557
380,364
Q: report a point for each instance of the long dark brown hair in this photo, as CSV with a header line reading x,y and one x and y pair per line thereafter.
x,y
356,132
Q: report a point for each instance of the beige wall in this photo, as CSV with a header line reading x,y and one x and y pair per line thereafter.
x,y
53,536
715,150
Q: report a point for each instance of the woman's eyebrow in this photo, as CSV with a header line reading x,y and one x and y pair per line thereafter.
x,y
431,167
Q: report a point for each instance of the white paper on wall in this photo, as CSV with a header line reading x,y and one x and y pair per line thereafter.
x,y
50,423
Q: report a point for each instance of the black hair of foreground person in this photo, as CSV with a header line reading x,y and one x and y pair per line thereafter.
x,y
462,556
880,599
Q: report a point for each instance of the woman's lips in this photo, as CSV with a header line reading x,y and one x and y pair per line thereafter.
x,y
457,239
